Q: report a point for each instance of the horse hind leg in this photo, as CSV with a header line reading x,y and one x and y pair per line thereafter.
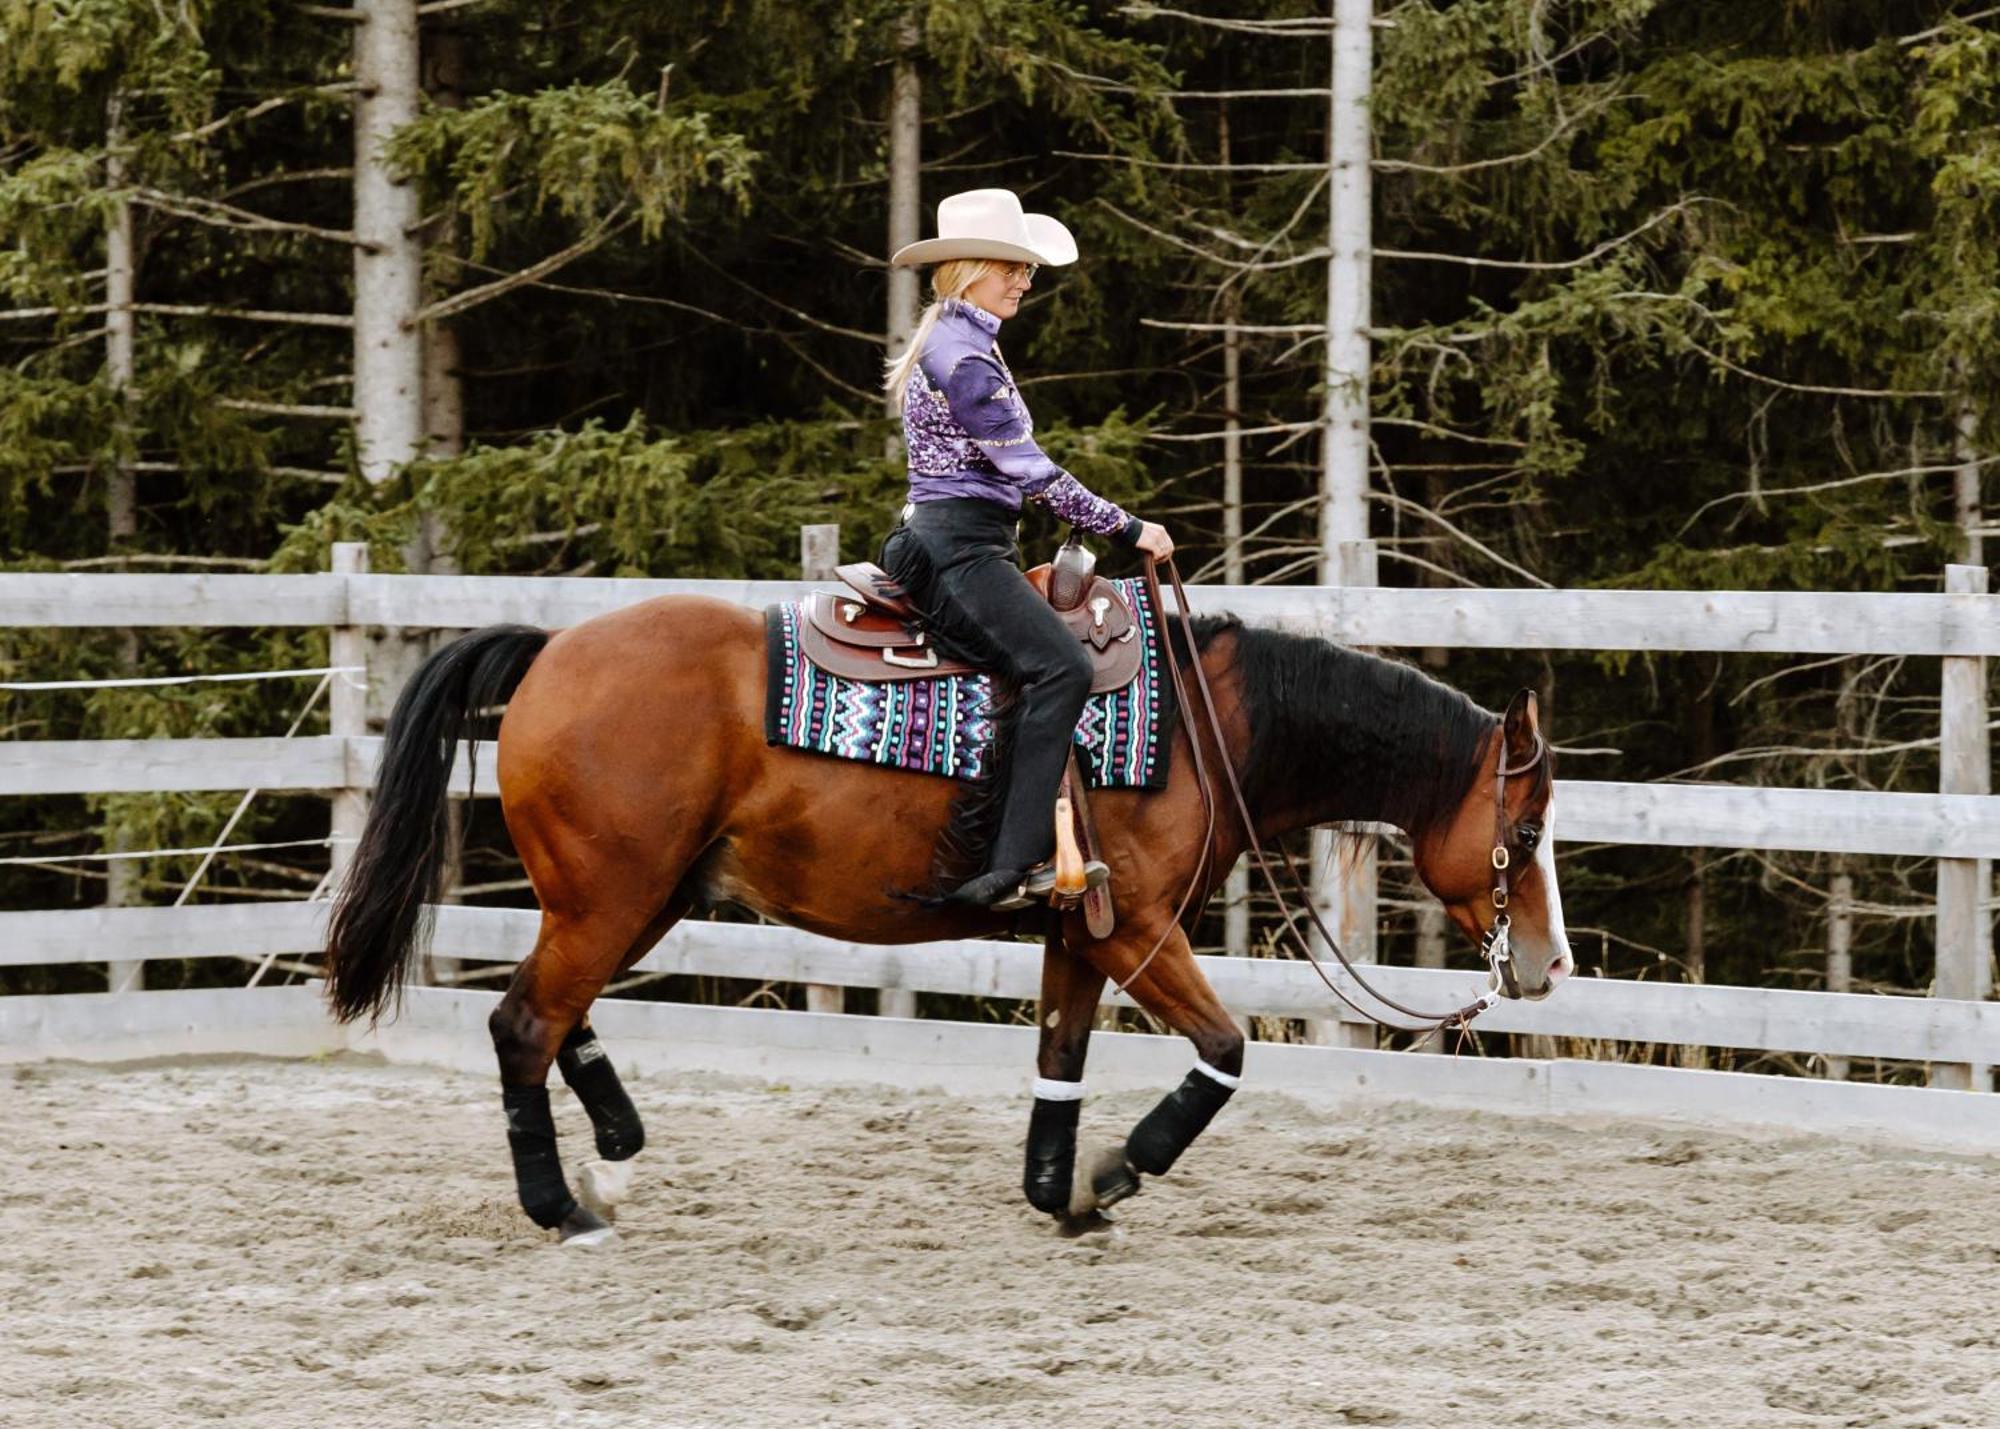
x,y
588,1071
540,1021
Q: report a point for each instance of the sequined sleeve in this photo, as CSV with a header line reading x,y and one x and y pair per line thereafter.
x,y
1084,509
984,402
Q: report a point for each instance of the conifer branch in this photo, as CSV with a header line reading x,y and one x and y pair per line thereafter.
x,y
1570,122
1886,393
1837,484
1458,533
1945,29
218,214
191,310
606,229
285,409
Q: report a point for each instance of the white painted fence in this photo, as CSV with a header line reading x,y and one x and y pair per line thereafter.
x,y
1960,627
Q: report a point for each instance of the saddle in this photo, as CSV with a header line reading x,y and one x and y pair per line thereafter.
x,y
871,631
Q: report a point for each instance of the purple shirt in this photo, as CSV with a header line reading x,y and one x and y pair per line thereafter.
x,y
968,433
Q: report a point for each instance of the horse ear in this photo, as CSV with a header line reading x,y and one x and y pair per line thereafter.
x,y
1523,726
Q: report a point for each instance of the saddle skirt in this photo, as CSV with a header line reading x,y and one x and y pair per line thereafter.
x,y
870,631
940,720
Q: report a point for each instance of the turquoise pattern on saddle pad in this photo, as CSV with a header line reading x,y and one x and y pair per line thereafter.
x,y
943,725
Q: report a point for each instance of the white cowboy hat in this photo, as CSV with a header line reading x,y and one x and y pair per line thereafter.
x,y
989,223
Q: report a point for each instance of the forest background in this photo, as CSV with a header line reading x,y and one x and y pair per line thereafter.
x,y
1666,293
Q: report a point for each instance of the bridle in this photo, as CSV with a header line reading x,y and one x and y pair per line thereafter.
x,y
1494,944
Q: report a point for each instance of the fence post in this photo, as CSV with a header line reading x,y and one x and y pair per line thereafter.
x,y
819,553
1344,865
1839,952
347,710
1964,957
1432,933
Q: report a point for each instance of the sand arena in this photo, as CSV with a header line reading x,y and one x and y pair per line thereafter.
x,y
297,1243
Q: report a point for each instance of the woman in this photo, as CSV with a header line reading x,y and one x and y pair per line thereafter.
x,y
973,460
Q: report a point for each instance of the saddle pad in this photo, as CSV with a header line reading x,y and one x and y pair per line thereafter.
x,y
944,725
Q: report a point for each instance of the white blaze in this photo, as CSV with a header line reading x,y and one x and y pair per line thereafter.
x,y
1545,860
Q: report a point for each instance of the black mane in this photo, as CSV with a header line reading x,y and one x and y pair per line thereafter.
x,y
1370,737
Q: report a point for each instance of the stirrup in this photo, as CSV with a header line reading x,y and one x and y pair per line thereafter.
x,y
1040,885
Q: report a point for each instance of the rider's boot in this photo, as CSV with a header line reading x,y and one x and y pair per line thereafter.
x,y
1040,885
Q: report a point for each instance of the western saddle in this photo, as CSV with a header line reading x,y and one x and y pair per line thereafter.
x,y
871,631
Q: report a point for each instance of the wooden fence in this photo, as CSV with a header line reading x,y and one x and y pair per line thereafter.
x,y
1958,1035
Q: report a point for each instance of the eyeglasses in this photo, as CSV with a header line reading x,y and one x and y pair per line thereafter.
x,y
1024,271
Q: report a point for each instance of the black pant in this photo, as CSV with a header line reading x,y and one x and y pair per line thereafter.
x,y
960,563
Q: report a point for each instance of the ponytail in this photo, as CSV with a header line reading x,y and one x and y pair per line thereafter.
x,y
949,280
899,368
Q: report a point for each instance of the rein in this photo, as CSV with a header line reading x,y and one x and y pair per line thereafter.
x,y
1494,945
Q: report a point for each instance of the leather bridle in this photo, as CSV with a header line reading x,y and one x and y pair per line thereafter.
x,y
1494,944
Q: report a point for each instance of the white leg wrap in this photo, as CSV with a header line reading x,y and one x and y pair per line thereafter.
x,y
1048,1091
1220,1078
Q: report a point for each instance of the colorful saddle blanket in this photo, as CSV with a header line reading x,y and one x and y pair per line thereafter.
x,y
945,726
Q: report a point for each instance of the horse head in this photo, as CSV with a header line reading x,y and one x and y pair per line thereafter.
x,y
1492,862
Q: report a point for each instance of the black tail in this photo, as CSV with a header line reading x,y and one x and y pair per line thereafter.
x,y
382,916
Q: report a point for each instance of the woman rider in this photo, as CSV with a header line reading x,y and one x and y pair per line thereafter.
x,y
973,459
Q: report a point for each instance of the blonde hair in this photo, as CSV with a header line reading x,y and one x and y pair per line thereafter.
x,y
949,280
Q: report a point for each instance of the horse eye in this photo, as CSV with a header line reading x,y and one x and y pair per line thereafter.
x,y
1529,835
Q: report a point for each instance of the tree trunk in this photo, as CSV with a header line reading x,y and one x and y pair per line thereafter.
x,y
1969,510
1344,885
906,138
1839,950
1344,455
121,496
388,257
1701,715
443,390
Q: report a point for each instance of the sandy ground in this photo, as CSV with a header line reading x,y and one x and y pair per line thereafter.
x,y
292,1244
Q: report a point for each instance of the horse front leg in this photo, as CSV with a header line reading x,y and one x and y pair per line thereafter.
x,y
1070,991
1172,988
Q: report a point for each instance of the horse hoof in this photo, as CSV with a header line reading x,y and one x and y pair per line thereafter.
x,y
1069,1226
583,1229
601,1185
1102,1179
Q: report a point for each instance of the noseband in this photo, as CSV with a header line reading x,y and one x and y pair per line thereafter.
x,y
1493,944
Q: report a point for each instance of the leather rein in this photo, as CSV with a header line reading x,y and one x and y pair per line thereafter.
x,y
1494,945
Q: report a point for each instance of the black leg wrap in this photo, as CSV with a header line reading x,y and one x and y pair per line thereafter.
x,y
591,1076
1051,1154
538,1174
1168,1129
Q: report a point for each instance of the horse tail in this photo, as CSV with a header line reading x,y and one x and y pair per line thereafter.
x,y
382,916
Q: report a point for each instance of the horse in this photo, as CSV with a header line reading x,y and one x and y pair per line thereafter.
x,y
638,787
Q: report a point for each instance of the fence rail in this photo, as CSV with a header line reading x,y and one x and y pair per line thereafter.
x,y
441,1028
1857,821
1759,1019
1962,828
1748,622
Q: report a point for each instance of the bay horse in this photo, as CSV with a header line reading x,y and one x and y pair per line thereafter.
x,y
637,786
